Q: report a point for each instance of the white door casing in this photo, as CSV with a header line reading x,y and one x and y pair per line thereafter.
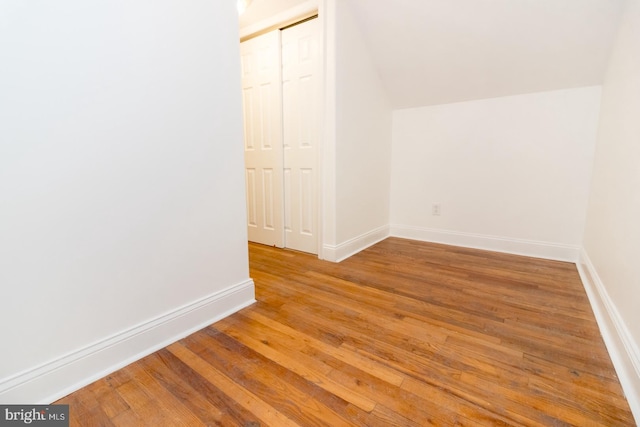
x,y
301,134
262,101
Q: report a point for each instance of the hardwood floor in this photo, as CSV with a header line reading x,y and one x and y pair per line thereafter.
x,y
403,334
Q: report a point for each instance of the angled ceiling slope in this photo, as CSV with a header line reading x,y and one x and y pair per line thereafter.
x,y
261,10
431,52
264,14
441,51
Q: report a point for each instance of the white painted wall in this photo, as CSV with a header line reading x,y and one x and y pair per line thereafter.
x,y
511,173
122,211
362,142
612,233
327,19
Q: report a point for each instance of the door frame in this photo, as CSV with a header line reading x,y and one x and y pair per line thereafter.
x,y
325,197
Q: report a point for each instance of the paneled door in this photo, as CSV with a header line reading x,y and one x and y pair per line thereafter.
x,y
262,99
301,97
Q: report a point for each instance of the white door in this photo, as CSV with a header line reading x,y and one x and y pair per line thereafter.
x,y
300,95
262,98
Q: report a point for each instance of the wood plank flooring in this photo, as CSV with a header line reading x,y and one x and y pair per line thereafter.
x,y
403,334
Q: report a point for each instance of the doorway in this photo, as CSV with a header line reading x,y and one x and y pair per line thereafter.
x,y
281,87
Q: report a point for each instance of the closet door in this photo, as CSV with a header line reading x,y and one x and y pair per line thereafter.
x,y
300,94
262,98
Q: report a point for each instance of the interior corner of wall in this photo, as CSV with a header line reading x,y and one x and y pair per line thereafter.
x,y
622,348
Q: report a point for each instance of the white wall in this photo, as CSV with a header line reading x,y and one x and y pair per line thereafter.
x,y
122,217
362,143
510,174
327,17
612,233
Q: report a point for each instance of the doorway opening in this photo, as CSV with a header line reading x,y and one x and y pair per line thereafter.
x,y
281,91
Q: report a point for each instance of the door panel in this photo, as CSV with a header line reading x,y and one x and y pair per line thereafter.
x,y
262,98
300,91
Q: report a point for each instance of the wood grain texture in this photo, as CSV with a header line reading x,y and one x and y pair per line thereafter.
x,y
404,333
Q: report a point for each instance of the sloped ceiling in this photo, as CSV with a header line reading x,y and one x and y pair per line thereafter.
x,y
260,10
441,51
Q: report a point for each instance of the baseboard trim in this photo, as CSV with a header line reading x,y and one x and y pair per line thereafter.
x,y
622,348
53,380
532,248
351,247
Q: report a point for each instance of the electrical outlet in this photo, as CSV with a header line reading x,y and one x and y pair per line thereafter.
x,y
435,209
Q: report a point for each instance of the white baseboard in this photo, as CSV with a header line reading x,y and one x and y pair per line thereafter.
x,y
53,380
353,246
530,248
622,348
